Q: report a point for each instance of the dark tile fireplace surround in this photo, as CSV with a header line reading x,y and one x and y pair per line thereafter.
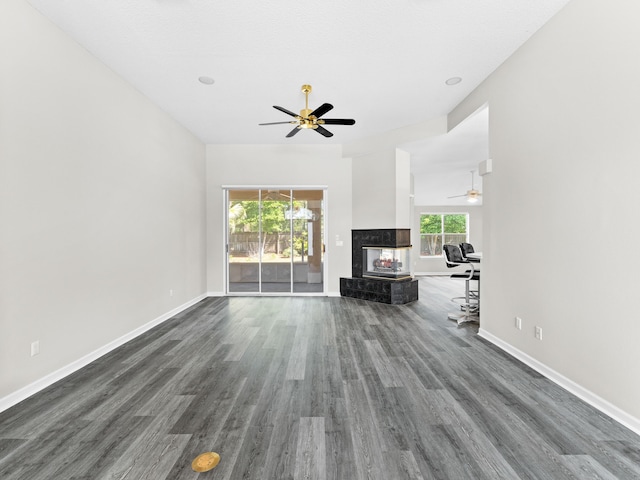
x,y
383,290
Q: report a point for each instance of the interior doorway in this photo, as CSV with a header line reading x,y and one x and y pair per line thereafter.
x,y
275,241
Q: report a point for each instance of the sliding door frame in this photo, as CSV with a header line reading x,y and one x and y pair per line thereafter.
x,y
225,246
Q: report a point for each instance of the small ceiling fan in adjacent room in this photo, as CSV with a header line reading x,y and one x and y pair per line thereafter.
x,y
311,119
472,195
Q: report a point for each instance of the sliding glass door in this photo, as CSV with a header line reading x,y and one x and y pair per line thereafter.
x,y
275,240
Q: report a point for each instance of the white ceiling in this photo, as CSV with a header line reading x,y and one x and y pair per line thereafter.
x,y
381,62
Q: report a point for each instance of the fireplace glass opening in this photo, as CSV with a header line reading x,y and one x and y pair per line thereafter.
x,y
386,262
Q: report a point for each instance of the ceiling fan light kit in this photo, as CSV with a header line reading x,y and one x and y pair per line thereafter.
x,y
310,119
472,195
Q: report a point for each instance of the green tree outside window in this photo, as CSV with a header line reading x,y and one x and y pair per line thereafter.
x,y
439,229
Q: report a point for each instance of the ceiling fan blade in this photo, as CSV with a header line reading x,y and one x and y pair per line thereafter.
x,y
284,110
275,123
338,121
323,131
293,132
458,196
321,110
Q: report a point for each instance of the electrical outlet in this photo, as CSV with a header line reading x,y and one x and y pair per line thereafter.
x,y
171,293
539,333
35,348
518,323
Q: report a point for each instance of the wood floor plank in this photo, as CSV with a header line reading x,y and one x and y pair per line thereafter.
x,y
310,452
240,343
440,454
9,445
408,467
251,459
622,457
298,359
388,375
256,376
365,433
585,467
281,454
104,443
132,388
152,454
492,465
339,450
208,411
231,437
268,404
30,456
313,401
333,386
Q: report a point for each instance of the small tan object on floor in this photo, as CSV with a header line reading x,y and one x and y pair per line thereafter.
x,y
205,461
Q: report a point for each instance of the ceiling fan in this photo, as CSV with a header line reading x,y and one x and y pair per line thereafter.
x,y
311,119
472,195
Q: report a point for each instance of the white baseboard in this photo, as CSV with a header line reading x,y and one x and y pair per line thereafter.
x,y
591,398
215,294
333,294
33,388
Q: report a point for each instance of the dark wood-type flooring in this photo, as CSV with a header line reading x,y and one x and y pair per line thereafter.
x,y
313,388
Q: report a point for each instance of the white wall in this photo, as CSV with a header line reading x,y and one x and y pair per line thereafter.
x,y
374,190
382,182
404,189
561,205
103,203
382,189
429,265
285,165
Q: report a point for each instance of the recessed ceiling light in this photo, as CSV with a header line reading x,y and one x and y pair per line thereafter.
x,y
206,80
453,81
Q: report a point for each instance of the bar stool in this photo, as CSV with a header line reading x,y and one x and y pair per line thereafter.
x,y
470,303
467,248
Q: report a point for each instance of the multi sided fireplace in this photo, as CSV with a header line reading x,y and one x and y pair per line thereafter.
x,y
381,267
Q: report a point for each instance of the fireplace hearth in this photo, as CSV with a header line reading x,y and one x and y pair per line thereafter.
x,y
380,267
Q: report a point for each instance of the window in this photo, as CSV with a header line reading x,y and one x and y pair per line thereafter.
x,y
438,229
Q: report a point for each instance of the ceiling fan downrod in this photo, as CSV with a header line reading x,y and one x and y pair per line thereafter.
x,y
304,113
